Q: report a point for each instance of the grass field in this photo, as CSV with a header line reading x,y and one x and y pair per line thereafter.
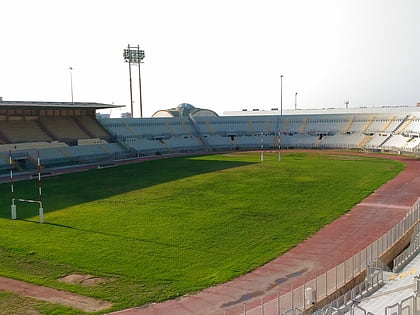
x,y
159,229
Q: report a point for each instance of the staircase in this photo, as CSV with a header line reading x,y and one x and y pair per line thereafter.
x,y
303,126
65,153
368,123
84,129
104,148
267,127
196,132
404,124
184,126
276,141
4,139
390,120
364,141
348,125
286,125
171,130
46,130
209,128
250,129
130,129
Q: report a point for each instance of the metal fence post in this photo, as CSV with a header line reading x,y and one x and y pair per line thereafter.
x,y
262,306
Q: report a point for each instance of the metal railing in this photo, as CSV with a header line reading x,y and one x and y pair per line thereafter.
x,y
329,282
344,304
411,251
408,306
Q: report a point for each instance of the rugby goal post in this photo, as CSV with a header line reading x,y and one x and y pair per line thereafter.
x,y
13,196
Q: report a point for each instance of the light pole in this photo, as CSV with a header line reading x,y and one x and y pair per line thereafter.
x,y
71,83
295,100
281,95
133,55
140,52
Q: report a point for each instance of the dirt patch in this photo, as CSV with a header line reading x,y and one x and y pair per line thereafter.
x,y
344,157
84,280
83,303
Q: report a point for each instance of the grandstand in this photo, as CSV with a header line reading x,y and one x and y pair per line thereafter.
x,y
71,134
64,133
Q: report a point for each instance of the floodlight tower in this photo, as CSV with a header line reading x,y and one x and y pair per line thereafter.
x,y
133,55
71,83
281,95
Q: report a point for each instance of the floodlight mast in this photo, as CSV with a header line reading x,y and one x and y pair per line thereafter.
x,y
71,83
281,95
133,55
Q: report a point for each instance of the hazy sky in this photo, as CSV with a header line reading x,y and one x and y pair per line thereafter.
x,y
217,54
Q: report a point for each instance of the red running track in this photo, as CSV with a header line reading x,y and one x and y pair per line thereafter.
x,y
338,241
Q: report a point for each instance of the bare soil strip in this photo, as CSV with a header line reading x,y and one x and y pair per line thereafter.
x,y
83,303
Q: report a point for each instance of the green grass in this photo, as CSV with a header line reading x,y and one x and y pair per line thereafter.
x,y
11,304
163,228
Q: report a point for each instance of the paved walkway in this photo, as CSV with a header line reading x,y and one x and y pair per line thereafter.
x,y
338,241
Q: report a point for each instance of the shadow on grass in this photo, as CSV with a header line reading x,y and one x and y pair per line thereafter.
x,y
71,189
129,238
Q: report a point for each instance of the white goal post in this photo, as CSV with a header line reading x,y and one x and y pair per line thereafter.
x,y
12,191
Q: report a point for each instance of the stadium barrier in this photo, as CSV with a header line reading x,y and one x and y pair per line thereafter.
x,y
407,306
325,285
410,305
409,253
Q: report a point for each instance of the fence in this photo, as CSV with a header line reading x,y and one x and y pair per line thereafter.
x,y
409,253
408,306
315,290
344,303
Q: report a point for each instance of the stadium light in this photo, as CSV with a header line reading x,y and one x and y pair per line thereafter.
x,y
281,95
347,104
134,55
295,100
71,83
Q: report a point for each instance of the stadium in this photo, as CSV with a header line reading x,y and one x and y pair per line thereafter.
x,y
68,149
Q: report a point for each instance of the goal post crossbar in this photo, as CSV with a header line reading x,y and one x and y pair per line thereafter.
x,y
12,191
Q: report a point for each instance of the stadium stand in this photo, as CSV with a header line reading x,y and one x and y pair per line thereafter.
x,y
63,133
64,129
71,133
23,131
395,143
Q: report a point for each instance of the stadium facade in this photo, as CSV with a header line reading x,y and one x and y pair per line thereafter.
x,y
70,133
66,134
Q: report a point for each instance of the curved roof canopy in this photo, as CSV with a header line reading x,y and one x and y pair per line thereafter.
x,y
184,110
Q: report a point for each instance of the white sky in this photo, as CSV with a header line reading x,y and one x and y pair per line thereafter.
x,y
216,54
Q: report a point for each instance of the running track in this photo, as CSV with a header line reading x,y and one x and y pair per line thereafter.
x,y
352,232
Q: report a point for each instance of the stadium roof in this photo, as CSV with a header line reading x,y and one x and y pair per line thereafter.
x,y
67,105
327,111
184,110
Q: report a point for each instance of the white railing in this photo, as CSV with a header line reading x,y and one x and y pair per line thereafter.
x,y
329,282
411,251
